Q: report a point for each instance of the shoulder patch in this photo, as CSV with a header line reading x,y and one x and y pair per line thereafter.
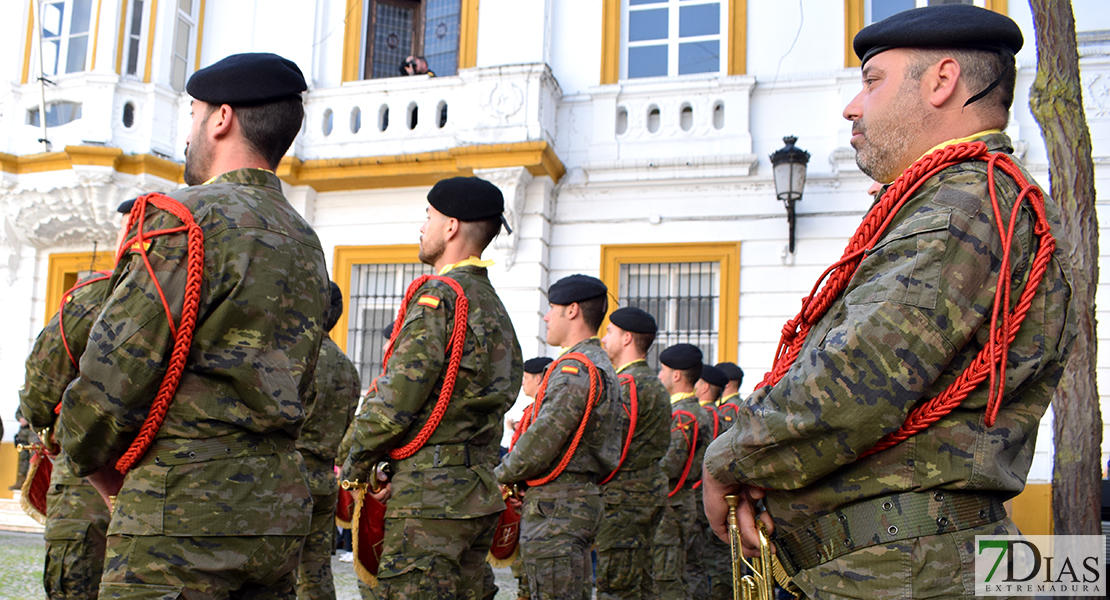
x,y
429,301
570,369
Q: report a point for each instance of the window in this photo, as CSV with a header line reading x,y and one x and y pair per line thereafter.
x,y
57,113
396,29
860,13
692,290
673,37
374,280
64,36
185,27
132,27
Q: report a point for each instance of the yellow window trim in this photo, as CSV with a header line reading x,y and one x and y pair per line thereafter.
x,y
355,28
27,45
122,37
611,39
426,168
726,253
122,40
346,257
200,36
853,23
132,164
150,40
69,264
96,34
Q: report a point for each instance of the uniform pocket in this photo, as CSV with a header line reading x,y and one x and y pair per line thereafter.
x,y
616,569
906,267
74,558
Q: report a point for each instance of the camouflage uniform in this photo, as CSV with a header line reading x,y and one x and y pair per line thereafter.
x,y
219,502
77,518
675,534
635,496
439,523
560,519
912,318
329,410
716,555
697,573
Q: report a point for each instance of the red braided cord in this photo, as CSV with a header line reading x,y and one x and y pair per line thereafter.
x,y
691,447
635,408
734,408
869,233
183,331
100,276
455,344
716,418
591,401
526,415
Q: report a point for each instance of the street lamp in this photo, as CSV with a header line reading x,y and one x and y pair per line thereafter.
x,y
789,164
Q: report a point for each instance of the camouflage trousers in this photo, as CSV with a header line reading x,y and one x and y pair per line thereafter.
x,y
558,525
624,554
522,590
435,559
935,566
142,567
314,577
670,544
697,575
76,532
717,561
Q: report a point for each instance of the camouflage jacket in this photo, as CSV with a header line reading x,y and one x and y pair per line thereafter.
x,y
912,318
49,369
548,438
675,460
258,333
329,409
486,386
641,473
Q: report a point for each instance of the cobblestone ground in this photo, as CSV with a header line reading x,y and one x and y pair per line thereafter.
x,y
21,571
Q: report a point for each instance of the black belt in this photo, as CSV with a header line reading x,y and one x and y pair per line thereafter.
x,y
882,521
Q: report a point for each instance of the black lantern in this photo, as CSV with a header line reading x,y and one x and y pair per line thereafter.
x,y
789,164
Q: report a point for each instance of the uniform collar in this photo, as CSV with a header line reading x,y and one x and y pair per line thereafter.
x,y
239,175
563,351
969,138
473,261
679,397
629,364
729,397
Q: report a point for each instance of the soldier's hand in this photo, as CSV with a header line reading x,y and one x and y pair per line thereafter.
x,y
716,511
385,492
107,481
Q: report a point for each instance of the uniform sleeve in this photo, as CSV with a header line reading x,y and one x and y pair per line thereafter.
x,y
539,449
674,461
915,302
405,387
48,372
125,360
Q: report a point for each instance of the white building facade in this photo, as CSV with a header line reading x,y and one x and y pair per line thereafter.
x,y
630,138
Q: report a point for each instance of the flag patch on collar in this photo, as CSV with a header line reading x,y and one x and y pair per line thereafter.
x,y
135,246
429,301
570,369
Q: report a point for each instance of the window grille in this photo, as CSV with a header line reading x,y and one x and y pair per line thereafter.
x,y
376,294
684,298
396,29
673,37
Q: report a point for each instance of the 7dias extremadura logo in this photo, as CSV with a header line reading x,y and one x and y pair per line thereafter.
x,y
1041,565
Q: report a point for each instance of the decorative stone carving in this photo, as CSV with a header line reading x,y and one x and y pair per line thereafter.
x,y
513,183
505,100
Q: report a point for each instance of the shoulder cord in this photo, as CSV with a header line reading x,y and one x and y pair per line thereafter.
x,y
529,417
991,360
691,445
182,332
519,429
455,346
734,408
716,419
633,411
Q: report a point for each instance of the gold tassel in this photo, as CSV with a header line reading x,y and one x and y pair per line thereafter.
x,y
24,494
365,576
501,563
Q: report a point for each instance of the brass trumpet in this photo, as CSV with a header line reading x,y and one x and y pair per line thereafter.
x,y
765,570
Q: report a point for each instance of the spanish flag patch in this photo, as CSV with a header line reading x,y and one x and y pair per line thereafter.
x,y
570,369
429,301
135,246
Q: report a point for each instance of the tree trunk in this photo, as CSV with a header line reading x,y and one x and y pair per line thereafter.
x,y
1057,104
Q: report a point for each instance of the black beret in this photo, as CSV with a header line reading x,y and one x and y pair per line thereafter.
x,y
681,356
733,372
942,26
387,331
335,307
633,319
714,376
575,288
467,199
245,79
125,206
536,365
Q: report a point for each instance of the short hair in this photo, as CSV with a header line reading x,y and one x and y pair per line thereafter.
x,y
691,375
593,311
642,341
481,232
271,128
978,69
715,390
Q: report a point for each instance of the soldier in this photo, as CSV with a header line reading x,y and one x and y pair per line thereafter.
x,y
635,495
534,369
443,502
329,410
822,440
214,500
735,375
681,369
567,446
77,517
716,555
24,436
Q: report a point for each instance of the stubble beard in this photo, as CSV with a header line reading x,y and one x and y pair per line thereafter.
x,y
198,162
882,153
430,251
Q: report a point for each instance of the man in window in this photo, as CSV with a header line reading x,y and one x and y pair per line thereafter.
x,y
436,413
214,501
866,446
